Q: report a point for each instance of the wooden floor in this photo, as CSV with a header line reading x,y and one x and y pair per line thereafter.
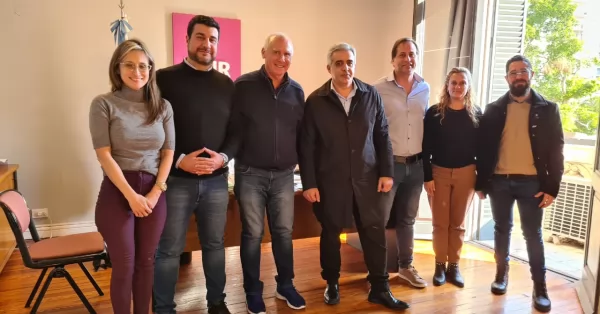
x,y
477,268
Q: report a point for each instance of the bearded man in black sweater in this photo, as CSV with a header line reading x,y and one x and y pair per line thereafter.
x,y
201,99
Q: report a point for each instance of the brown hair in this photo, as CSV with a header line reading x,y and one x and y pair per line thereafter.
x,y
154,102
204,20
469,97
402,41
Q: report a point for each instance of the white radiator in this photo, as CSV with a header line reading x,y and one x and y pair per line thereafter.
x,y
568,216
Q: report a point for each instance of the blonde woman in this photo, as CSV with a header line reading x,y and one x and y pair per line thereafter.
x,y
133,135
449,155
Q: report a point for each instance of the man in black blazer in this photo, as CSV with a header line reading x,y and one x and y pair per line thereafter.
x,y
346,163
521,159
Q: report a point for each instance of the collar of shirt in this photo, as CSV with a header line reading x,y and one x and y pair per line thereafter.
x,y
526,100
342,98
417,77
191,65
345,100
188,63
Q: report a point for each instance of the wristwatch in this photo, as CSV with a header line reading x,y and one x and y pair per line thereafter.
x,y
225,159
161,185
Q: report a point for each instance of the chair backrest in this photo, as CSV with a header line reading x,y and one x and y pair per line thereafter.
x,y
16,204
19,218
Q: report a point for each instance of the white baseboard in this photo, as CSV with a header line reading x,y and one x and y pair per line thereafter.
x,y
62,229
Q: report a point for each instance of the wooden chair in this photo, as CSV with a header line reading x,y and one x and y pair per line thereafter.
x,y
53,253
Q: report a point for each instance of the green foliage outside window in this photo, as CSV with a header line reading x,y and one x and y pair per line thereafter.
x,y
552,46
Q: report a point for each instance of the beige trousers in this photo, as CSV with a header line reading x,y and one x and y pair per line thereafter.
x,y
454,190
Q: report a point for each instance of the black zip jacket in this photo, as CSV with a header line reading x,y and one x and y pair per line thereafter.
x,y
545,133
265,121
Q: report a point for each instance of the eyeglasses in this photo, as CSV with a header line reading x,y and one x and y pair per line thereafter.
x,y
524,72
142,67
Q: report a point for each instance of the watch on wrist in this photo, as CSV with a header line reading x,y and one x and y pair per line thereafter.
x,y
161,185
225,159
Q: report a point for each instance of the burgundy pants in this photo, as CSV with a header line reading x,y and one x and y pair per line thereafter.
x,y
131,242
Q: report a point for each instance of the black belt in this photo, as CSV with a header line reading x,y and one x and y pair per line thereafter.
x,y
515,176
407,159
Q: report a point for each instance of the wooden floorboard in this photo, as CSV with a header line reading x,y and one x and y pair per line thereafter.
x,y
477,268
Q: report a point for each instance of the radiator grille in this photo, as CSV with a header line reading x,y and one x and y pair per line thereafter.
x,y
568,216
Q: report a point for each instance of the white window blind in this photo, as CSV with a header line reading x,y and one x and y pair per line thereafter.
x,y
509,34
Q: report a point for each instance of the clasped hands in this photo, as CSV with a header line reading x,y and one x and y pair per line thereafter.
x,y
384,185
141,205
201,165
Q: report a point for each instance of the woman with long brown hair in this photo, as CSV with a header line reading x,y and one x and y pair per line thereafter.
x,y
449,165
133,135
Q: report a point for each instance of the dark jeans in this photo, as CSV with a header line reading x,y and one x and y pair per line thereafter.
x,y
503,194
130,241
257,191
373,243
208,200
403,200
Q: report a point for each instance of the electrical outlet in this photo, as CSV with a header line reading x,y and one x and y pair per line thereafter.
x,y
39,213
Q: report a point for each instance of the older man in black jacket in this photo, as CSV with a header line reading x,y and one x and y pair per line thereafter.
x,y
267,111
521,160
346,163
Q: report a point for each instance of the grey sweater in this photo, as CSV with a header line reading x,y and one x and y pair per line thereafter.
x,y
118,121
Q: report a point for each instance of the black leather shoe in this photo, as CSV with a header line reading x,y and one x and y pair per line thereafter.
x,y
439,278
386,299
501,282
332,294
541,302
453,275
219,308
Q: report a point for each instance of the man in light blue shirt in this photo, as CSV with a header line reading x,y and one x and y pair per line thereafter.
x,y
405,98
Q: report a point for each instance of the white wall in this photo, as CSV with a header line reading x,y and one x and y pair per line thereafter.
x,y
55,56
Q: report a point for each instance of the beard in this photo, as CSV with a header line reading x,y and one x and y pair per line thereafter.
x,y
193,55
521,90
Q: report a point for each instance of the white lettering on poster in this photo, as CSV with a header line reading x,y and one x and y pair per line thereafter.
x,y
222,67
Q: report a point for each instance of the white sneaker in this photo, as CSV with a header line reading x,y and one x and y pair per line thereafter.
x,y
411,276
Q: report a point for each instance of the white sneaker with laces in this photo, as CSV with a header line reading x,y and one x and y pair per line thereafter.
x,y
411,276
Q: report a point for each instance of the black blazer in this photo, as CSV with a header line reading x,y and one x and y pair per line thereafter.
x,y
545,133
344,155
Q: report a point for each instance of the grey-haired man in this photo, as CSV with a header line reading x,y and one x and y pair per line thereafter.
x,y
346,165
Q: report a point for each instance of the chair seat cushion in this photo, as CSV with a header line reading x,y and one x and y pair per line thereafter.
x,y
67,246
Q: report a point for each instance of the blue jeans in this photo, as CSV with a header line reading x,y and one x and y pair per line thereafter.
x,y
257,191
208,200
403,200
503,194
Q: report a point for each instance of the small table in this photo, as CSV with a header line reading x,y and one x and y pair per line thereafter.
x,y
8,181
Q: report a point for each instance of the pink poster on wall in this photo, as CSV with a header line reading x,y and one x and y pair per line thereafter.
x,y
228,60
